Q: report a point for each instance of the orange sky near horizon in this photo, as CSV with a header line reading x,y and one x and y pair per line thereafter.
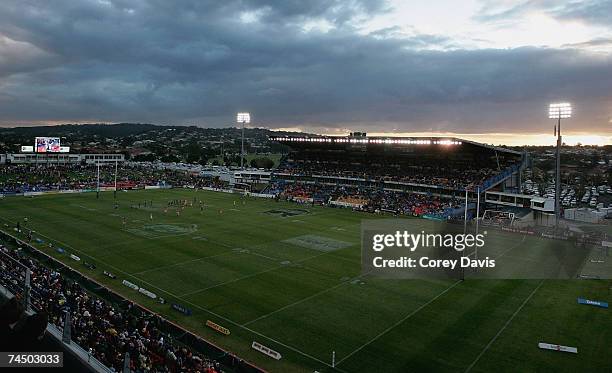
x,y
508,139
540,139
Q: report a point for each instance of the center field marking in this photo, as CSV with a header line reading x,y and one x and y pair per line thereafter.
x,y
399,322
469,368
118,270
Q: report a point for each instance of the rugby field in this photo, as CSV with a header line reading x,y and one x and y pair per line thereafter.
x,y
288,276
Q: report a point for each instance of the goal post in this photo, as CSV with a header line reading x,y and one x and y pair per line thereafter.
x,y
497,217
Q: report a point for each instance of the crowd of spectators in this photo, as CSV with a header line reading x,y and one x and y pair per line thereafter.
x,y
31,178
104,330
446,175
369,199
412,204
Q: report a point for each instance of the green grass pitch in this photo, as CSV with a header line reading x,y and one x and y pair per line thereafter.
x,y
288,277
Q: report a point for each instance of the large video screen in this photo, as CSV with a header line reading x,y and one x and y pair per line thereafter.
x,y
47,145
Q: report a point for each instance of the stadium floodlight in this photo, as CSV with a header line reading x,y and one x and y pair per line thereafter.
x,y
558,111
562,110
244,118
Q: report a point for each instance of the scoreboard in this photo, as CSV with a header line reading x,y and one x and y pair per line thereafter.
x,y
47,145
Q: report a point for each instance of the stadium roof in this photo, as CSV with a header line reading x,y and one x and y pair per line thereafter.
x,y
384,140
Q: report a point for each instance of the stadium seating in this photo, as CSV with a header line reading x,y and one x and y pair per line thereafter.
x,y
30,178
107,331
450,176
373,200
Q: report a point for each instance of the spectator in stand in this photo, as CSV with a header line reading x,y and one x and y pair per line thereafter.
x,y
30,333
108,332
10,313
31,178
371,200
450,175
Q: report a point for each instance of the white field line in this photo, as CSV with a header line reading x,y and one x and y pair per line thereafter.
x,y
249,276
119,244
305,299
181,263
511,248
399,322
264,256
343,258
122,243
118,270
252,251
469,368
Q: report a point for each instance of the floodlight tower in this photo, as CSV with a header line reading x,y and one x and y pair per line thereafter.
x,y
558,111
244,118
98,182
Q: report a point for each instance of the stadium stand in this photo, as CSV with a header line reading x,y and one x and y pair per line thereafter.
x,y
447,164
17,179
105,330
372,200
425,177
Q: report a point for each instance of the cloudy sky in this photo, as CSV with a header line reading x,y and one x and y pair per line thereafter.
x,y
475,67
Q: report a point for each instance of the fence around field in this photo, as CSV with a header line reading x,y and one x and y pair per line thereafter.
x,y
145,187
180,334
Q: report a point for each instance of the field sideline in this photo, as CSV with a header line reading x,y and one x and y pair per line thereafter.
x,y
288,276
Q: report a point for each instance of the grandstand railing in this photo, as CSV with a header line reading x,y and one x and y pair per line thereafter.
x,y
483,186
378,183
499,177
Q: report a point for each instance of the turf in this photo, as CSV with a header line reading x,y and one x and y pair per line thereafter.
x,y
288,276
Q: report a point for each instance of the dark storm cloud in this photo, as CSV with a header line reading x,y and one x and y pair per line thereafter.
x,y
201,61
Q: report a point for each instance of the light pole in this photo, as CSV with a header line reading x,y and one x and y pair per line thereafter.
x,y
558,111
464,231
477,218
115,194
244,118
98,182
